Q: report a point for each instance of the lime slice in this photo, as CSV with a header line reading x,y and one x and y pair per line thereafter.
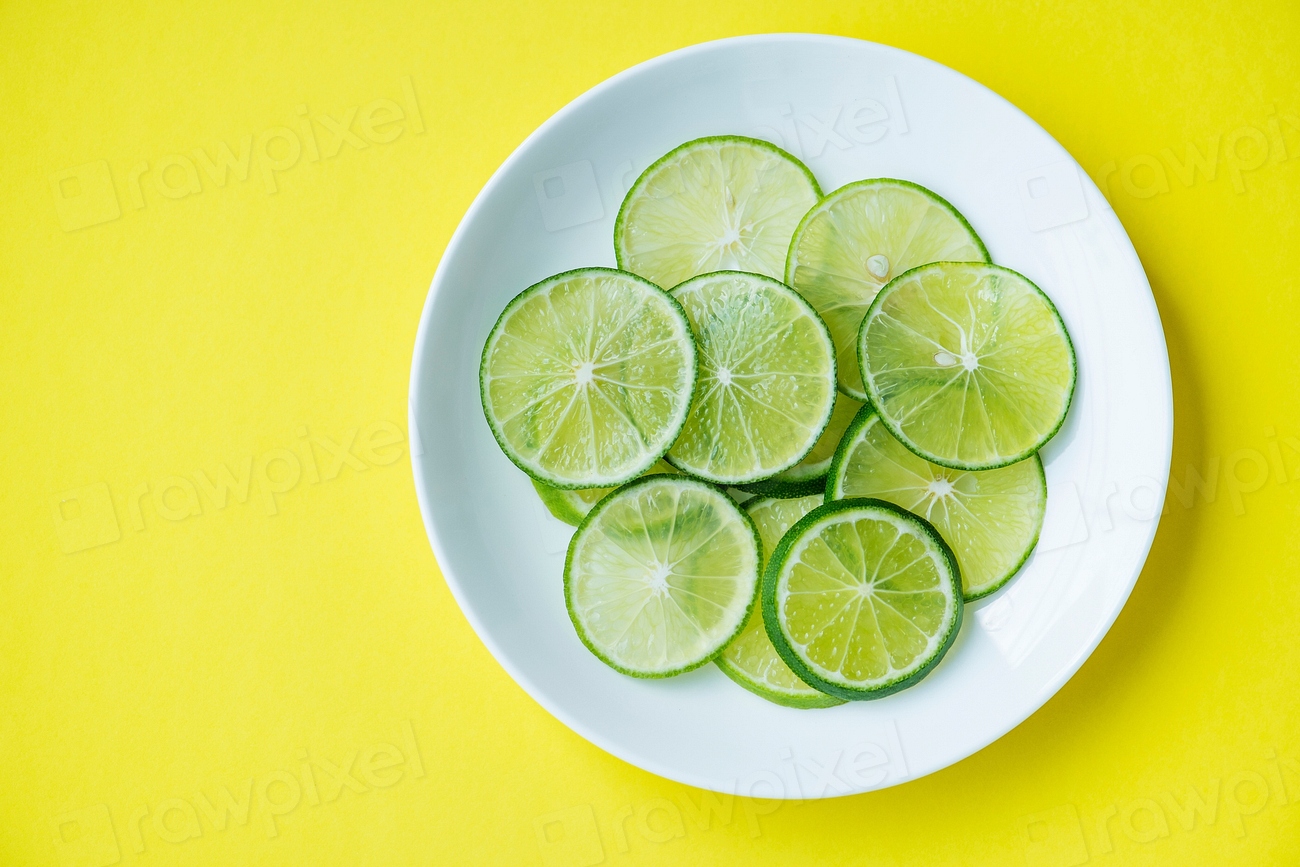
x,y
713,204
587,377
969,365
572,506
661,575
767,378
861,598
751,660
990,518
856,240
809,475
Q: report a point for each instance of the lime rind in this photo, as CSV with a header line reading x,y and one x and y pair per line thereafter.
x,y
949,578
843,326
745,539
750,659
882,405
572,505
897,462
568,506
797,702
670,277
665,435
782,489
721,425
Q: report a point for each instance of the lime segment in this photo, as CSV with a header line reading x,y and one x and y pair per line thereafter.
x,y
861,598
767,378
713,204
990,518
969,365
586,378
661,575
751,660
860,237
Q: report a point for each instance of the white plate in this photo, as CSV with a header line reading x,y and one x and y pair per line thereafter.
x,y
850,110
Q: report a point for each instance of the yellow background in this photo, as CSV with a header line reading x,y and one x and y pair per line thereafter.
x,y
149,653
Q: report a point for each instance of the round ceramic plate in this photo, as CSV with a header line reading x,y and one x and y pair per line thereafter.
x,y
849,110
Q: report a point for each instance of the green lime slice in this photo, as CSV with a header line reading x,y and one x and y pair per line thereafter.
x,y
661,575
572,506
991,518
767,378
586,378
809,475
750,659
856,240
861,598
722,203
969,364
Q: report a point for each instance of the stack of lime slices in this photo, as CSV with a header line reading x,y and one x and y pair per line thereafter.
x,y
853,365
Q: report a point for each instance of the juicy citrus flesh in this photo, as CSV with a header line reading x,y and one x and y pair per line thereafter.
x,y
661,575
714,204
991,518
969,365
864,598
818,461
587,377
859,238
571,506
750,659
767,378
